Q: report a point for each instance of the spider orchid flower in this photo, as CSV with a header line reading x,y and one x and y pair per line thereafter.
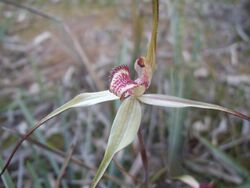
x,y
131,92
128,118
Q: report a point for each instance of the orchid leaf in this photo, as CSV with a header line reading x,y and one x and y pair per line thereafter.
x,y
227,160
123,132
176,102
81,100
151,52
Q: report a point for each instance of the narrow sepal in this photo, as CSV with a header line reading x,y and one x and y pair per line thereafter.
x,y
176,102
123,132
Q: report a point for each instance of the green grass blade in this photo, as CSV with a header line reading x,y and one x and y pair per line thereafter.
x,y
176,127
224,158
31,121
36,181
123,132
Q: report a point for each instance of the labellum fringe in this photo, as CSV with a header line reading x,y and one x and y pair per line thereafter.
x,y
120,82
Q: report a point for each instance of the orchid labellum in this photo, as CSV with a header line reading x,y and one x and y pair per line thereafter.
x,y
131,92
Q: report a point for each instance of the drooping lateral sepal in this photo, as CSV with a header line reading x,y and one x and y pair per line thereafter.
x,y
123,132
81,100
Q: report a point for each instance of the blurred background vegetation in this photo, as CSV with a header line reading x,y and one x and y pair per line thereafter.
x,y
203,54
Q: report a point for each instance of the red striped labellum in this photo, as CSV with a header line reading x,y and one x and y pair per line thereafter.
x,y
121,83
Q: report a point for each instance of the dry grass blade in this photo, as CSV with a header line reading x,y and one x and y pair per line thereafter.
x,y
66,163
227,161
124,172
63,155
212,171
80,52
99,83
32,10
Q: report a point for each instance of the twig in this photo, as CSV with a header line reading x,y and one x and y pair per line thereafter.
x,y
32,10
81,54
124,172
66,162
159,174
235,143
208,170
83,57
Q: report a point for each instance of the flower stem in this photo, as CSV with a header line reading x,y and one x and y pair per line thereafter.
x,y
143,157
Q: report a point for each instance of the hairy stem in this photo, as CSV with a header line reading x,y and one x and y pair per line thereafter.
x,y
143,157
